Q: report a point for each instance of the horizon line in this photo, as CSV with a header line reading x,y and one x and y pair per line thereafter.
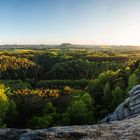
x,y
43,44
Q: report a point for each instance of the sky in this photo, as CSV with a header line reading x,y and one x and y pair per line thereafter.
x,y
107,22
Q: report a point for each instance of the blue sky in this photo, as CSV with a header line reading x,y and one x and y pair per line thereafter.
x,y
75,21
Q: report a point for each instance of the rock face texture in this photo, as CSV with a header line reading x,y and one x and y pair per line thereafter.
x,y
110,129
128,129
129,108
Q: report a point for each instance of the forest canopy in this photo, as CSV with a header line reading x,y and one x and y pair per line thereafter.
x,y
40,88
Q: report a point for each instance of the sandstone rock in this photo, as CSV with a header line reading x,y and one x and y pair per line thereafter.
x,y
128,129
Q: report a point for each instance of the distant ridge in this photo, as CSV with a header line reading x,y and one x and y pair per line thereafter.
x,y
65,45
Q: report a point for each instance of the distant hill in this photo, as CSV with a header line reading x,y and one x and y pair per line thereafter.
x,y
69,45
65,45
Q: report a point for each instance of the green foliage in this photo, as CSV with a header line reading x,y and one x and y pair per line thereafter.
x,y
73,69
65,118
88,100
47,118
107,97
103,78
128,71
67,86
80,111
12,67
60,84
96,87
4,104
133,80
49,109
28,106
16,84
40,122
11,114
117,97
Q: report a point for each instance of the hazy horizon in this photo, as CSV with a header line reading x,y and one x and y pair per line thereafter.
x,y
85,22
47,44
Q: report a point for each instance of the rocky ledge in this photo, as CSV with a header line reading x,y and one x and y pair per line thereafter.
x,y
122,124
128,129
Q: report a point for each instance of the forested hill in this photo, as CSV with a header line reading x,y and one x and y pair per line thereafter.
x,y
41,88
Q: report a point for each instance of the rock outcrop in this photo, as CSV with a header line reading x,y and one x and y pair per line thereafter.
x,y
128,128
129,108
